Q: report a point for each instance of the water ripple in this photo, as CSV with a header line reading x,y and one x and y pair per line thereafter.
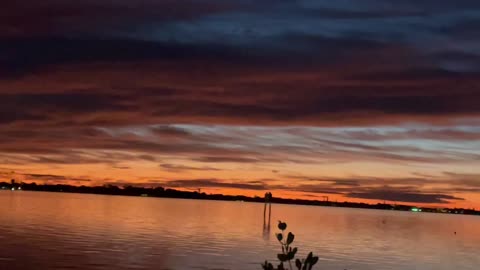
x,y
73,231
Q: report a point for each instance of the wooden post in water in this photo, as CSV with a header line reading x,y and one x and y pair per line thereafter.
x,y
265,208
269,208
266,224
268,201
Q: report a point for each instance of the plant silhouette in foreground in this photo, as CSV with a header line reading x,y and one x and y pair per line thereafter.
x,y
288,253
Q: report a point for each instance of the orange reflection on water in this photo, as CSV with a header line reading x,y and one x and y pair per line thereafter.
x,y
57,231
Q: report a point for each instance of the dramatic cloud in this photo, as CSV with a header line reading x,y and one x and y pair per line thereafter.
x,y
213,183
41,177
403,196
397,190
179,168
308,93
53,178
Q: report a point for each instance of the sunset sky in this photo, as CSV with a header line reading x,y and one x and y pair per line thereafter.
x,y
358,100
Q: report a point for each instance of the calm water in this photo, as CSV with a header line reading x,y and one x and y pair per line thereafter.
x,y
75,231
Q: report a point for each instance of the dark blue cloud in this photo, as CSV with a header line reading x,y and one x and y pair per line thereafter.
x,y
106,30
404,196
408,58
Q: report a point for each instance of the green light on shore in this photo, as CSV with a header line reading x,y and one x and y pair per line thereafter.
x,y
415,209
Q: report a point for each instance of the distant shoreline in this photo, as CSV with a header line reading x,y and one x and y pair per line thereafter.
x,y
160,192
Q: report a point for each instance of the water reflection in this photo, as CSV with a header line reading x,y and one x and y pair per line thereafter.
x,y
74,231
266,223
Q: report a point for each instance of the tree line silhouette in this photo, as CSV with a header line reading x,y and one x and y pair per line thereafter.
x,y
174,193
